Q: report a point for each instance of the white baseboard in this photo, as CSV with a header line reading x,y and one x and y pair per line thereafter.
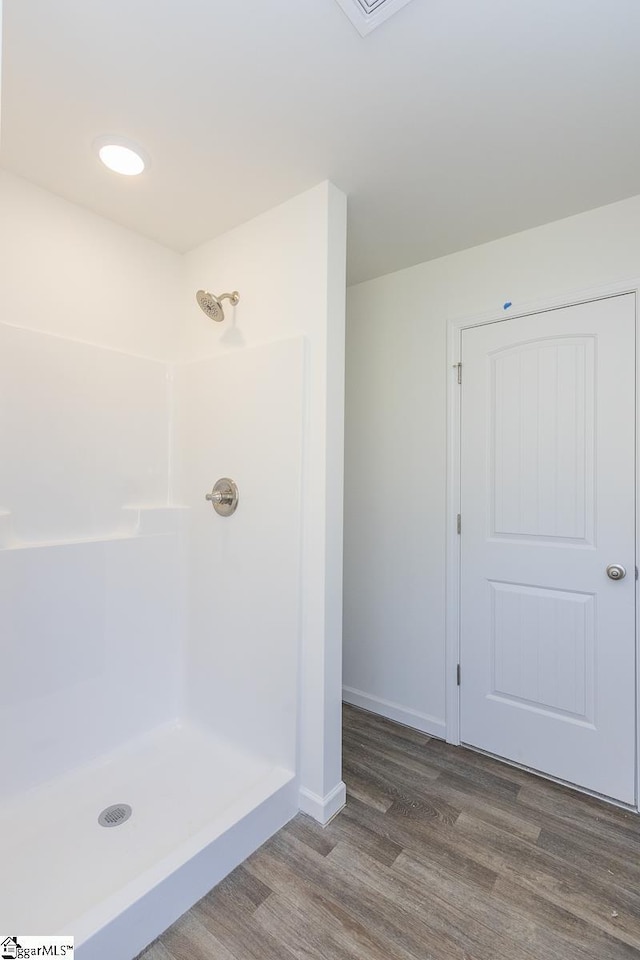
x,y
324,808
394,711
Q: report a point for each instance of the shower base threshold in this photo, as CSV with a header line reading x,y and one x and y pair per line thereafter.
x,y
199,808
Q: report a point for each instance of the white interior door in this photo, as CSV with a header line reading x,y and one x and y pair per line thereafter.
x,y
548,674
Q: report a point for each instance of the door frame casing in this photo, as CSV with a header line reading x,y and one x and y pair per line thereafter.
x,y
455,328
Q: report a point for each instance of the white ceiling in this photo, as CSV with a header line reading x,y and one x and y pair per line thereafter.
x,y
455,122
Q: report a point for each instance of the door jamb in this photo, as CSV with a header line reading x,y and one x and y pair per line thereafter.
x,y
455,328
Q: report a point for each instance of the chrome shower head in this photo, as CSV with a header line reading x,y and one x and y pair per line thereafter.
x,y
212,305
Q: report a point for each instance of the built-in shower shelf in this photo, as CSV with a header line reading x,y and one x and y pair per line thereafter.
x,y
138,521
80,541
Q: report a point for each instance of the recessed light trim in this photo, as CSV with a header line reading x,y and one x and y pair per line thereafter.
x,y
121,156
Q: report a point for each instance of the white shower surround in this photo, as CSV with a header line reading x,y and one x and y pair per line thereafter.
x,y
155,644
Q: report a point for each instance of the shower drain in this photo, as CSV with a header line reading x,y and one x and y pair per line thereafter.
x,y
114,815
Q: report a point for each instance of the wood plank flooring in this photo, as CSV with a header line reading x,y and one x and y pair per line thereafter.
x,y
440,854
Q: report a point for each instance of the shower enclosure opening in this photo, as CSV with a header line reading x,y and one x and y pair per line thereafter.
x,y
151,708
159,706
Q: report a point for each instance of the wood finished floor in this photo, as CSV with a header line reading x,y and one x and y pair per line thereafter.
x,y
440,854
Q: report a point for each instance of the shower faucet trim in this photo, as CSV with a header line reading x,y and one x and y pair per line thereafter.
x,y
224,497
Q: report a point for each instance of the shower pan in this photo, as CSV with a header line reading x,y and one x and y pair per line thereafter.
x,y
149,703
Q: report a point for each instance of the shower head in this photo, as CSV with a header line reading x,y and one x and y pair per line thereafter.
x,y
212,305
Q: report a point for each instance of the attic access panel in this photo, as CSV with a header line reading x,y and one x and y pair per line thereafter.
x,y
366,15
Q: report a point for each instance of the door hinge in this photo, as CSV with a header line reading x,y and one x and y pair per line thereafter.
x,y
459,523
458,675
459,367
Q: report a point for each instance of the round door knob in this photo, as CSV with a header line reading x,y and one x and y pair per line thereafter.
x,y
615,571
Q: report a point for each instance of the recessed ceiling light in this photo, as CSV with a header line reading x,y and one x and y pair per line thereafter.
x,y
121,156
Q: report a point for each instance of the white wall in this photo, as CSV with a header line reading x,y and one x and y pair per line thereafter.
x,y
90,593
289,268
69,272
395,470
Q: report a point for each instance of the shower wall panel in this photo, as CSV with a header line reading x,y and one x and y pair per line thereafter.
x,y
83,432
89,647
90,603
240,415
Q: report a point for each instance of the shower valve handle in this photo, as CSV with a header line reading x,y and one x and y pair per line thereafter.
x,y
223,497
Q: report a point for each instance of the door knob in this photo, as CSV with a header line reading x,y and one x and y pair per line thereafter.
x,y
615,571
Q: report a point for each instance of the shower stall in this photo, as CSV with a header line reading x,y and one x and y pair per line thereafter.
x,y
169,691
